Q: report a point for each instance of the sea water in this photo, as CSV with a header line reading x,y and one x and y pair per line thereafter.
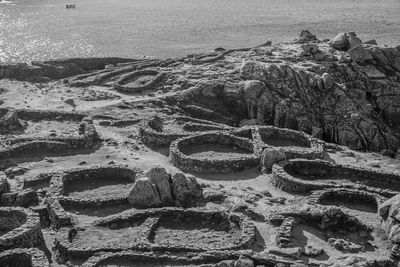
x,y
44,29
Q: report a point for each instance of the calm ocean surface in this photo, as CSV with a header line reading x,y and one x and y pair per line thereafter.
x,y
43,29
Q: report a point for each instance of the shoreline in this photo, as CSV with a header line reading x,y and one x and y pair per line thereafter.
x,y
283,154
87,64
343,61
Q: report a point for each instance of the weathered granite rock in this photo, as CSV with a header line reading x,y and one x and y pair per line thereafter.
x,y
160,178
371,42
390,212
156,123
4,186
306,36
354,41
270,156
186,191
340,41
160,189
360,55
144,194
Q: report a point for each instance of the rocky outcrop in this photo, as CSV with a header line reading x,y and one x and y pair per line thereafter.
x,y
185,190
389,211
346,92
160,178
297,99
56,69
144,194
160,189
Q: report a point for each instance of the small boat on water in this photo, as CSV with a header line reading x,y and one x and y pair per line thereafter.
x,y
70,6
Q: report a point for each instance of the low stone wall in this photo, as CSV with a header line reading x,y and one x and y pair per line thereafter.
x,y
56,198
121,87
190,126
98,77
308,147
89,64
34,114
149,222
321,217
192,164
27,231
283,179
211,258
86,138
204,59
284,235
22,257
323,197
8,120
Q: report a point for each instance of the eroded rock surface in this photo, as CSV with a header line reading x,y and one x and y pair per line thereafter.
x,y
166,162
160,189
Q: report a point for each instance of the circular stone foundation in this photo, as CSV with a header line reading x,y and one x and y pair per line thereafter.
x,y
99,188
138,81
349,198
23,258
19,228
293,143
165,229
213,152
209,58
32,142
162,131
304,176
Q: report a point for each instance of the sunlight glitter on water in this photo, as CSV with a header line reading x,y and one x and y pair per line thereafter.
x,y
44,29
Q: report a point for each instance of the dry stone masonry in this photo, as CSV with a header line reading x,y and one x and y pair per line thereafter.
x,y
281,155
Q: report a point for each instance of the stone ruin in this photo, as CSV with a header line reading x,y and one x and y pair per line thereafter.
x,y
177,166
23,132
304,176
138,81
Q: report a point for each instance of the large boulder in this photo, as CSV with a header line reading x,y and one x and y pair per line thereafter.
x,y
354,41
340,42
186,191
160,189
390,213
144,194
160,178
360,55
306,36
270,156
156,123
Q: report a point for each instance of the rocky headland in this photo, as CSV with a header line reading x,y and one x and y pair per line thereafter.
x,y
277,155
